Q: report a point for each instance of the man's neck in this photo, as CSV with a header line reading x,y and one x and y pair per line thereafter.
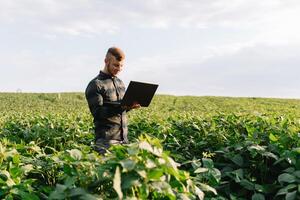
x,y
105,71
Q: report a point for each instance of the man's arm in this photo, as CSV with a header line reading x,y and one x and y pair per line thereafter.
x,y
96,104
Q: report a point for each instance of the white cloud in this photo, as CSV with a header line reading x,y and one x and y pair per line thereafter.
x,y
92,17
259,70
29,72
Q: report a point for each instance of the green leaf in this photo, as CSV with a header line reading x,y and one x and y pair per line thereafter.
x,y
285,177
172,163
291,195
208,163
145,146
75,153
127,165
117,183
256,147
28,196
199,193
207,188
129,180
216,174
238,175
76,192
15,172
289,170
16,159
238,159
27,168
155,174
273,138
297,150
258,196
132,150
259,188
59,192
247,184
90,197
286,189
270,154
70,181
200,170
297,173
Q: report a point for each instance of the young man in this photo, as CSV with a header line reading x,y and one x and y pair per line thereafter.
x,y
103,94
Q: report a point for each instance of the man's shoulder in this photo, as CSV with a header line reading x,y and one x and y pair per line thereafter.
x,y
98,80
119,81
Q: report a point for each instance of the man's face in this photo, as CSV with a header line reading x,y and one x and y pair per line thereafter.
x,y
114,66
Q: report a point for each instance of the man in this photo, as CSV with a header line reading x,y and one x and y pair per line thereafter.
x,y
104,94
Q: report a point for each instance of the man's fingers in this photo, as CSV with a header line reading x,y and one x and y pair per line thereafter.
x,y
136,105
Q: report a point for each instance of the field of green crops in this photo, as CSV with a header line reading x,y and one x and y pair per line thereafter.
x,y
181,148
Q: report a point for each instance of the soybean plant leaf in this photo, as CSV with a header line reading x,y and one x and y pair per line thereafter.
x,y
247,184
289,170
145,146
208,163
259,188
16,159
297,150
90,197
297,173
59,192
208,188
200,170
286,178
132,150
127,164
28,196
27,168
256,147
163,187
273,138
75,153
77,192
258,196
172,163
291,195
155,174
271,155
199,193
129,180
286,189
117,183
238,175
238,159
183,196
70,181
216,174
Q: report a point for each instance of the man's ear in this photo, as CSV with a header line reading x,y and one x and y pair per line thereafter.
x,y
106,60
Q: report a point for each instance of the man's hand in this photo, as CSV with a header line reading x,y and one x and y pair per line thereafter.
x,y
135,105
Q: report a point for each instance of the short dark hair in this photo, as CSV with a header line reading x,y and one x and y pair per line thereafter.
x,y
116,52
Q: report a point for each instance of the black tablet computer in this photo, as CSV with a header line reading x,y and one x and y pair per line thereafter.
x,y
139,92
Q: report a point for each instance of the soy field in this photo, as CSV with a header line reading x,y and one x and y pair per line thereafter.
x,y
180,148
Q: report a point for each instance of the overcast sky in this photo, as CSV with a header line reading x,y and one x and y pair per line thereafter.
x,y
188,47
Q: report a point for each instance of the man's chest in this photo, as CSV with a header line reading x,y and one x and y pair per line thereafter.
x,y
113,90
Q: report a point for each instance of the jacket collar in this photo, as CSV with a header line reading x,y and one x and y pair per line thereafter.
x,y
104,75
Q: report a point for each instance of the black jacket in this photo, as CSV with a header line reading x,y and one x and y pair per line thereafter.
x,y
109,119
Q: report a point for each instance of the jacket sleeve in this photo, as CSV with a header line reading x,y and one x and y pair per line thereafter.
x,y
94,96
